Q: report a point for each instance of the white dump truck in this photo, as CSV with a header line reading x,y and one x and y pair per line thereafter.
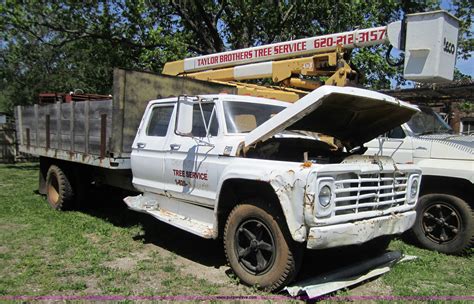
x,y
445,220
241,168
248,169
244,169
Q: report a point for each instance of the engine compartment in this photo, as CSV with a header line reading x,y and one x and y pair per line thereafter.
x,y
294,149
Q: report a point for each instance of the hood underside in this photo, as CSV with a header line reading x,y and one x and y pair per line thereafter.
x,y
351,115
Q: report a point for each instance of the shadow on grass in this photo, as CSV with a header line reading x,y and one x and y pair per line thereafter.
x,y
107,204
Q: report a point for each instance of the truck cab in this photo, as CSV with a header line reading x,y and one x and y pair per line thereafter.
x,y
248,170
445,219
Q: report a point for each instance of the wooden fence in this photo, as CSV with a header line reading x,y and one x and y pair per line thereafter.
x,y
7,143
9,146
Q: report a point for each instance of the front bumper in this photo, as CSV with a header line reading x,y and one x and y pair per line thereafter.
x,y
360,231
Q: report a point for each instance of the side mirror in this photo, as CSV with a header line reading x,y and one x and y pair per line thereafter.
x,y
184,117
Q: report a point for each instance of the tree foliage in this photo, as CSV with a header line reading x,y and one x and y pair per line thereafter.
x,y
61,46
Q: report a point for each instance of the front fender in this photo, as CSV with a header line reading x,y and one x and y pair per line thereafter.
x,y
287,179
463,169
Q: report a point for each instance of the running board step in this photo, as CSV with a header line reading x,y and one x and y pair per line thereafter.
x,y
151,206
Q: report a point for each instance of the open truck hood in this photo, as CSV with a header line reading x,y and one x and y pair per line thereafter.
x,y
352,115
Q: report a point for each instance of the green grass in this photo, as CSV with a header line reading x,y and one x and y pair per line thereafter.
x,y
47,252
432,274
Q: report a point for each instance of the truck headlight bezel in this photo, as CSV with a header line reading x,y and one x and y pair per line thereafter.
x,y
324,200
324,196
413,189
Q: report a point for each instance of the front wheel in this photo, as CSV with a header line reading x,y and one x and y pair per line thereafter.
x,y
257,247
444,223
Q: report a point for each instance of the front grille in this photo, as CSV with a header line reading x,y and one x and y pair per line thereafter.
x,y
358,193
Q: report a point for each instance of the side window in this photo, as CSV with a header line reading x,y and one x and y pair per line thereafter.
x,y
159,120
199,129
396,133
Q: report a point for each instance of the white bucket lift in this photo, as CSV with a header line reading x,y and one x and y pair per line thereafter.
x,y
428,39
430,45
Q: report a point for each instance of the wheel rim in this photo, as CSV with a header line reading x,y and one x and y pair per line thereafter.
x,y
53,190
255,246
441,223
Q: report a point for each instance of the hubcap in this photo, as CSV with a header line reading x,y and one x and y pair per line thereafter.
x,y
441,223
255,246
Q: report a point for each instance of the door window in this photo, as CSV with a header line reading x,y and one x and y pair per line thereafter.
x,y
396,133
159,121
210,120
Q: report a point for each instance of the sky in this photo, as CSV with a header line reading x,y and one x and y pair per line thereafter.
x,y
466,66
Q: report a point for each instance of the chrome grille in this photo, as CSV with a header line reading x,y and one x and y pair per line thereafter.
x,y
357,193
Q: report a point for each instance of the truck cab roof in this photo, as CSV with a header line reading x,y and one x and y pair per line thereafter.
x,y
352,115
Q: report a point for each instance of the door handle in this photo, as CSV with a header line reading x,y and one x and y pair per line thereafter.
x,y
175,146
141,145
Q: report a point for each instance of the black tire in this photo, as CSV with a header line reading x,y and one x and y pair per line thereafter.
x,y
444,223
269,258
59,192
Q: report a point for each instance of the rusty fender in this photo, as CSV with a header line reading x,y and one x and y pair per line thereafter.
x,y
288,182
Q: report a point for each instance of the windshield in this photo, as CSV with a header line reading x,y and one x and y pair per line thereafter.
x,y
243,117
428,122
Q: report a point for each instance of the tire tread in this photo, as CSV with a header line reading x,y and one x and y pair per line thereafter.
x,y
292,264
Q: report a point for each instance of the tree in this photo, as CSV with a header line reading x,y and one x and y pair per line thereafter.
x,y
51,46
60,46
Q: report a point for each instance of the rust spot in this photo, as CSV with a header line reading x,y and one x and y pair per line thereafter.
x,y
208,233
306,164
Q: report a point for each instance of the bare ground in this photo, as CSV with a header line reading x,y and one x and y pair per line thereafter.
x,y
205,259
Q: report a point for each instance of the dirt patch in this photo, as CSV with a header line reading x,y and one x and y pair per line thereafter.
x,y
92,286
12,226
219,275
371,288
93,238
128,262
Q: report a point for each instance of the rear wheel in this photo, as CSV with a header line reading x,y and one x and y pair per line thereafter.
x,y
258,249
59,191
444,223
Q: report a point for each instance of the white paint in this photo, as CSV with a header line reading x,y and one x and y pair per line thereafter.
x,y
195,207
256,70
288,49
436,155
310,103
431,46
359,232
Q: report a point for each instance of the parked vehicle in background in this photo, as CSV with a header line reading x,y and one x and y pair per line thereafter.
x,y
445,220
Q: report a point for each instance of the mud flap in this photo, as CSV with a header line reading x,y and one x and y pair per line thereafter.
x,y
348,276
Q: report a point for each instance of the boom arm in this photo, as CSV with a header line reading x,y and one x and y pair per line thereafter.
x,y
428,39
288,49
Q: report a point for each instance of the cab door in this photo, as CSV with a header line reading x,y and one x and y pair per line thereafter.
x,y
191,164
149,150
395,144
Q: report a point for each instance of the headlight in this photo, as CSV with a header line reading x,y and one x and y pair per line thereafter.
x,y
324,196
414,188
